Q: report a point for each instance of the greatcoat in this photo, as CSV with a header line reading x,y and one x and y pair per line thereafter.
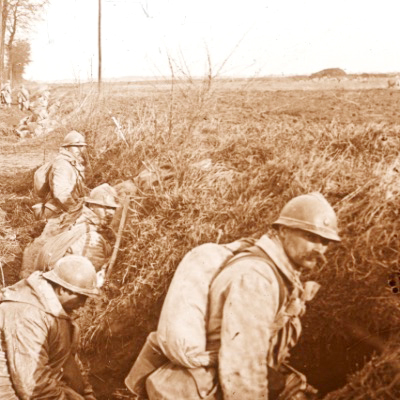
x,y
37,340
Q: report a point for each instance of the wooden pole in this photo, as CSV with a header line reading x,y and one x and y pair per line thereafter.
x,y
122,223
99,43
1,41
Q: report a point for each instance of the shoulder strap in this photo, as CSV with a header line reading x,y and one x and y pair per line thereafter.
x,y
255,252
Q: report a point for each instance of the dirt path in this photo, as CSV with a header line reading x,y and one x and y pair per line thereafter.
x,y
18,155
11,164
18,158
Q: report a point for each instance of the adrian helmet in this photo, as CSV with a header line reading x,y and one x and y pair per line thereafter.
x,y
312,213
74,138
103,195
75,273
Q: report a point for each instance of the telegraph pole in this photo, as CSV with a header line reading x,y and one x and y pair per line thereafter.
x,y
1,41
99,38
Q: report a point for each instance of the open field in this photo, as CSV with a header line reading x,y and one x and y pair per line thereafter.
x,y
265,141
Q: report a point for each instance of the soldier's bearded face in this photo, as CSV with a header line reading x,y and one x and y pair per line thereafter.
x,y
305,249
70,301
79,152
105,214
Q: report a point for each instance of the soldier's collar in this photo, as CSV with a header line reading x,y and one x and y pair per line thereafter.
x,y
273,247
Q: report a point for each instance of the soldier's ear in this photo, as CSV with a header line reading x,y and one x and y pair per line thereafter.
x,y
58,289
282,231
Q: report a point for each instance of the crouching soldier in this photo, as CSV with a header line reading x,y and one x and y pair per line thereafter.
x,y
81,233
251,319
38,336
60,183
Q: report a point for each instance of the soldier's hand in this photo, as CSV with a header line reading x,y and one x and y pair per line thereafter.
x,y
306,395
101,276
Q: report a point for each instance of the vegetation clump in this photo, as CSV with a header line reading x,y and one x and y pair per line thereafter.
x,y
329,72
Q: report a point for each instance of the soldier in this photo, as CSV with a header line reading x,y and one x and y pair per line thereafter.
x,y
80,233
61,182
38,336
23,98
253,317
5,94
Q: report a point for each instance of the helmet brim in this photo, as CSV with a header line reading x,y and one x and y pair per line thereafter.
x,y
74,144
321,231
53,277
99,203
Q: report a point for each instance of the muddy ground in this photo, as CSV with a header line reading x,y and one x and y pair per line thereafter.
x,y
18,159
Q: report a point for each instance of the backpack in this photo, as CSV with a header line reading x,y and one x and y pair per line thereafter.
x,y
44,252
41,185
181,330
181,335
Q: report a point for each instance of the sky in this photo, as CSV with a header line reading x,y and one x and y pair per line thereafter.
x,y
250,38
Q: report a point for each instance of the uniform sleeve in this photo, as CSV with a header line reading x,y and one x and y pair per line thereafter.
x,y
74,377
62,183
249,312
28,360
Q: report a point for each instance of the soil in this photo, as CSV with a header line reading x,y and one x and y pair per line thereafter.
x,y
18,159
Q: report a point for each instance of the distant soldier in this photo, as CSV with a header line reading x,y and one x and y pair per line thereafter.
x,y
43,100
60,183
35,124
5,94
38,336
80,233
23,98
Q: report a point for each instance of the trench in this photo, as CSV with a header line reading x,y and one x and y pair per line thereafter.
x,y
337,359
338,356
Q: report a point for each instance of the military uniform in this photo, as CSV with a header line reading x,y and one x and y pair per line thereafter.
x,y
81,238
255,304
37,338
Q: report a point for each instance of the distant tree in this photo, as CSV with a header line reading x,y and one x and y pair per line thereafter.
x,y
17,17
329,72
3,26
19,58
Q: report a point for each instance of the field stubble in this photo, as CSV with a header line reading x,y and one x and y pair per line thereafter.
x,y
265,147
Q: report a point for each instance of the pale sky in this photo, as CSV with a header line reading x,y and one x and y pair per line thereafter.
x,y
256,37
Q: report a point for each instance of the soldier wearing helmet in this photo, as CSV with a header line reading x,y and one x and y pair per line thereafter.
x,y
65,178
39,338
102,201
84,232
93,221
5,94
23,97
254,305
305,226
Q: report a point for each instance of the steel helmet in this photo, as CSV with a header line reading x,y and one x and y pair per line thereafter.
x,y
75,273
74,138
103,195
312,213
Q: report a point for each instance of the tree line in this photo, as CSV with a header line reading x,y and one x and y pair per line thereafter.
x,y
16,21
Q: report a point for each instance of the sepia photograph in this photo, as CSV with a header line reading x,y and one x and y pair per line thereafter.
x,y
199,200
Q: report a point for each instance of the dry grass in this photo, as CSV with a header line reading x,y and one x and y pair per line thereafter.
x,y
265,147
